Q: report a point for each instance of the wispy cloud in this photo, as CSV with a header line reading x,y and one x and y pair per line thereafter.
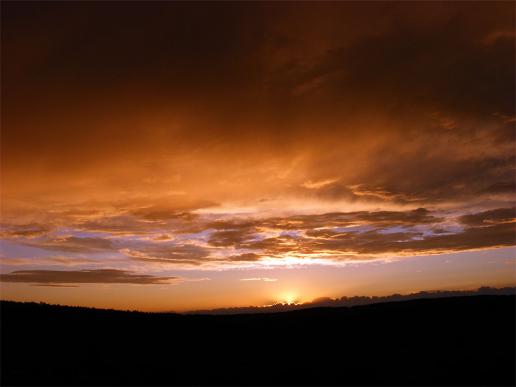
x,y
264,279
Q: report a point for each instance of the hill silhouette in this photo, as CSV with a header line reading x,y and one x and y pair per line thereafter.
x,y
358,300
442,341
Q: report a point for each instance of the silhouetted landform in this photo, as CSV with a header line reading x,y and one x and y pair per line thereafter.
x,y
443,341
358,300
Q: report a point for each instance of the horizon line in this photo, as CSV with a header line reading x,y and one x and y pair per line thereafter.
x,y
320,302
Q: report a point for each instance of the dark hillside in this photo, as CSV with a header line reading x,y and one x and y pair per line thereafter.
x,y
448,341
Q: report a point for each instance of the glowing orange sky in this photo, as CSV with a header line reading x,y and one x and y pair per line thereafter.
x,y
193,155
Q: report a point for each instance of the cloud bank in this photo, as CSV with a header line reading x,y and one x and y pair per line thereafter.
x,y
102,276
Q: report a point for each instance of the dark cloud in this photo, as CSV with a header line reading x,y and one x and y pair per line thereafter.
x,y
188,254
417,216
332,191
118,224
472,238
501,187
62,261
279,245
181,209
162,237
150,216
103,276
343,219
386,232
426,176
443,66
242,66
374,242
74,244
233,237
486,218
247,257
24,231
228,103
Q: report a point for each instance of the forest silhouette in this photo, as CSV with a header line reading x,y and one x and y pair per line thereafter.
x,y
436,341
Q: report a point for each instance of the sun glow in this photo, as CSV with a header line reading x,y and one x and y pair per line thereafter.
x,y
289,298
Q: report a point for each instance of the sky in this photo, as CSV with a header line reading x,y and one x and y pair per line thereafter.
x,y
175,156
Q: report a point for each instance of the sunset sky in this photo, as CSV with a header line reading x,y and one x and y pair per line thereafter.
x,y
180,156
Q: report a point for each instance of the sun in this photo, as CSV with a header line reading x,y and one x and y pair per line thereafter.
x,y
288,298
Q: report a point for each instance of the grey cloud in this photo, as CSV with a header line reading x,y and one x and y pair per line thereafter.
x,y
182,209
443,65
234,237
427,176
247,257
322,238
105,276
24,231
499,215
373,242
74,244
174,254
67,261
119,224
383,218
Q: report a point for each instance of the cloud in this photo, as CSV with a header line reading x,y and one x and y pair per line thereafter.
x,y
496,35
74,244
104,276
387,218
318,184
232,237
373,242
264,279
24,231
371,95
343,219
328,233
408,53
119,224
180,208
412,177
247,257
187,254
66,261
499,235
195,279
486,218
310,136
335,236
162,237
56,285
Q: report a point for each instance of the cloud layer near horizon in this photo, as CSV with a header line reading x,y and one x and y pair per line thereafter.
x,y
229,241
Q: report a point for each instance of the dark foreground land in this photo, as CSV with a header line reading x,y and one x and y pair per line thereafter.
x,y
453,341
